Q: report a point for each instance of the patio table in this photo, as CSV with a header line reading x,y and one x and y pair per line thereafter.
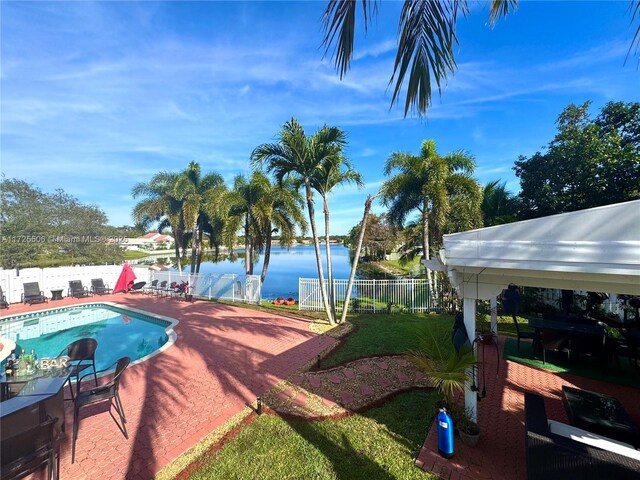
x,y
38,392
600,414
577,332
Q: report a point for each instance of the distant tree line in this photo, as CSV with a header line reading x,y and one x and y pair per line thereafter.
x,y
48,229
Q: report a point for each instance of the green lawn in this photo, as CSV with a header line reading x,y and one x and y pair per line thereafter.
x,y
381,443
381,333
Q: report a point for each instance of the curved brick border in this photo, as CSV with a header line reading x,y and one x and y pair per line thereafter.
x,y
339,391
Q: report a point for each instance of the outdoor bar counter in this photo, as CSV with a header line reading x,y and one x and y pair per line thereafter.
x,y
32,398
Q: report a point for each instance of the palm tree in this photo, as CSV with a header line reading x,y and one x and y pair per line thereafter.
x,y
161,205
427,36
300,157
329,175
191,188
245,212
498,204
282,211
429,183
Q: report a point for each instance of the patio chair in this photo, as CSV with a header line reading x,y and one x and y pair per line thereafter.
x,y
77,290
3,300
82,355
520,333
32,293
152,287
98,287
102,393
162,287
556,341
29,451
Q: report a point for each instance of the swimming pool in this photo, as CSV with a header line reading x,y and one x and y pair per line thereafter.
x,y
119,331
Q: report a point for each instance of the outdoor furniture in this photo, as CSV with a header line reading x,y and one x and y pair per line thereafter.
x,y
137,287
101,393
29,451
573,338
520,333
98,287
3,300
552,456
77,290
600,414
56,294
153,286
82,355
32,293
162,287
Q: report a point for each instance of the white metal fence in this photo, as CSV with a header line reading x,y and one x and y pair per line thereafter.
x,y
218,286
56,278
376,296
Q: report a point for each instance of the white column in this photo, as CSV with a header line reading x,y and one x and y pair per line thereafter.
x,y
493,302
470,397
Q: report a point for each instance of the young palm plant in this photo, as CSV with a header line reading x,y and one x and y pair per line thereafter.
x,y
446,368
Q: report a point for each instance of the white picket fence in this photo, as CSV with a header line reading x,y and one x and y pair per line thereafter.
x,y
375,296
56,278
216,286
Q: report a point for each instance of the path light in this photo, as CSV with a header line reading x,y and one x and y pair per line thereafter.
x,y
259,405
318,361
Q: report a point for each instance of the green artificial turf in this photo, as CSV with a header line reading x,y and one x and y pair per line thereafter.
x,y
583,367
380,444
387,334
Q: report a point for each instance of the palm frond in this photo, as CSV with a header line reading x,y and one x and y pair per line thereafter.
x,y
634,8
425,49
500,8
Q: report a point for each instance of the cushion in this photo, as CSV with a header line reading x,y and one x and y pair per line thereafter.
x,y
592,439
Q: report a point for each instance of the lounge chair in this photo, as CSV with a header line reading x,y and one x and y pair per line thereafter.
x,y
98,287
77,290
3,300
32,293
137,287
161,288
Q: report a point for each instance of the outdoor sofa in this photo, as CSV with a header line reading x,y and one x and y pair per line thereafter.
x,y
559,455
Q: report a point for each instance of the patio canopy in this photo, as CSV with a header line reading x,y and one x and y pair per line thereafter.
x,y
595,250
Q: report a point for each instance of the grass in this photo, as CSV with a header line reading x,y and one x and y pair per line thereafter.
x,y
135,254
379,444
405,269
381,333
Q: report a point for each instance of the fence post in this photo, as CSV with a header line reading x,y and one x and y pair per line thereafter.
x,y
375,296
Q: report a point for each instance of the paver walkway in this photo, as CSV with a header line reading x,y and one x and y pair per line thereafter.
x,y
500,455
345,389
224,357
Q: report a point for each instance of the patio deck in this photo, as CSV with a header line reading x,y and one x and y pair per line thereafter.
x,y
224,357
500,455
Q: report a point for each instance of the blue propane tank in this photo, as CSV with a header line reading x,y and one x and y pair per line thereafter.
x,y
445,434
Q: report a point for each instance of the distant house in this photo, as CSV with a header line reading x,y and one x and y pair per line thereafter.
x,y
150,241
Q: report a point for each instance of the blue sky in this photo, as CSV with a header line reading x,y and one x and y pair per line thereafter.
x,y
99,96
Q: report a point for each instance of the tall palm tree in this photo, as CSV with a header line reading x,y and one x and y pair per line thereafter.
x,y
428,183
426,41
300,157
191,188
246,207
331,174
161,205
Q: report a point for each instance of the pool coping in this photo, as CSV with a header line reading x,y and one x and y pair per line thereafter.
x,y
169,329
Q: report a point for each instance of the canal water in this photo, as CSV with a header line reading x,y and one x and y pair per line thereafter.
x,y
285,268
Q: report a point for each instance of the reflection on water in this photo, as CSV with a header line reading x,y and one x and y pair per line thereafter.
x,y
285,267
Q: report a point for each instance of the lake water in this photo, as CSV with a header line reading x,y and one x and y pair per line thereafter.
x,y
285,267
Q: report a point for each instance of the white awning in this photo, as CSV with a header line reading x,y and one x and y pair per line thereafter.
x,y
596,249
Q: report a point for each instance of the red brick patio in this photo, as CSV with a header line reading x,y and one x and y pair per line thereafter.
x,y
223,358
500,455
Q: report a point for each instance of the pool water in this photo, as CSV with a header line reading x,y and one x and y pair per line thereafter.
x,y
119,332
